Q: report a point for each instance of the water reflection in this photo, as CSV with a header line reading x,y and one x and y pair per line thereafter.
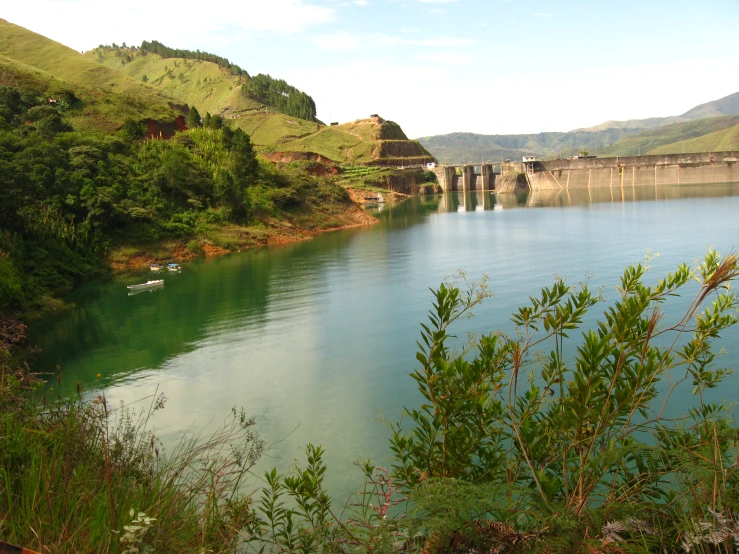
x,y
313,338
476,201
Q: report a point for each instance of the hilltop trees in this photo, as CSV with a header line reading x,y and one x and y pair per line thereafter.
x,y
165,52
283,97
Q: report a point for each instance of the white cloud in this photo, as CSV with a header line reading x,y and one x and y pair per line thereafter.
x,y
343,41
340,41
445,57
83,24
360,3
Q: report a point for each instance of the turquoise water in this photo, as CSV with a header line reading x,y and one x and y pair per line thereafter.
x,y
316,339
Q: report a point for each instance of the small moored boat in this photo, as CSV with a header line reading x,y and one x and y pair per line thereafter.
x,y
174,267
374,199
155,267
148,285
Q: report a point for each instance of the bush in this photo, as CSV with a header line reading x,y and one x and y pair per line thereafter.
x,y
559,448
194,247
516,451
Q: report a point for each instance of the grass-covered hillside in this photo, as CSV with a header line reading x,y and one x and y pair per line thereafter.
x,y
280,136
371,141
722,140
35,62
617,138
703,135
203,84
456,148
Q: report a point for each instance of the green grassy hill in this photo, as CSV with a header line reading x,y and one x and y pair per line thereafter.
x,y
695,136
109,96
213,89
463,147
205,85
371,141
612,138
718,141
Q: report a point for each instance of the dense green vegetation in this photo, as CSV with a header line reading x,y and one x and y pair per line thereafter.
x,y
516,447
68,195
166,52
281,96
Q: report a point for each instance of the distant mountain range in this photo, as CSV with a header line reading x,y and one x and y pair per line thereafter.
x,y
709,126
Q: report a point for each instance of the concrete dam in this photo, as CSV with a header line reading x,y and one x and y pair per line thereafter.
x,y
590,172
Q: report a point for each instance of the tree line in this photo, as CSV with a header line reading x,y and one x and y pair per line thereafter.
x,y
166,52
283,97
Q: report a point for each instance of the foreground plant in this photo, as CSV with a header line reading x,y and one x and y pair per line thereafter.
x,y
72,473
561,445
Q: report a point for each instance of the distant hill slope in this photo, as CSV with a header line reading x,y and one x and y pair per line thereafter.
x,y
671,138
718,141
110,96
371,141
214,89
610,138
728,105
464,147
205,85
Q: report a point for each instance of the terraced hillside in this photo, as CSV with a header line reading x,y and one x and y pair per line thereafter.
x,y
108,96
371,141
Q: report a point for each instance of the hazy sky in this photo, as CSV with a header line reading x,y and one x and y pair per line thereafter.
x,y
440,66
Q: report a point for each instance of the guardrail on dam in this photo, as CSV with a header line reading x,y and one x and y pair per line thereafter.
x,y
631,171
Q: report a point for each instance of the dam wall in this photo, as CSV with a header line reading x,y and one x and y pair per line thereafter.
x,y
672,169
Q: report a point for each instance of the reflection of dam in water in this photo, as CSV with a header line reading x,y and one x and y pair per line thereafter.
x,y
478,201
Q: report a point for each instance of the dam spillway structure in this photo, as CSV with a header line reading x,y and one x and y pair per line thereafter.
x,y
467,177
633,171
591,172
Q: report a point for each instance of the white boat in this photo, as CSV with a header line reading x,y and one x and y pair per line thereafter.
x,y
148,285
174,267
374,199
155,267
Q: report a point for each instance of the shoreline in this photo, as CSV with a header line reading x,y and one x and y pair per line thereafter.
x,y
270,233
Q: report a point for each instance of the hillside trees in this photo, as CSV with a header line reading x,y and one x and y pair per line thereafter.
x,y
73,194
193,118
283,97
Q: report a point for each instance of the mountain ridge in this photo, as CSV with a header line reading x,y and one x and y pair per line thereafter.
x,y
629,137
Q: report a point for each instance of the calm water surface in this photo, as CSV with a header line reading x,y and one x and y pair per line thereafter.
x,y
316,339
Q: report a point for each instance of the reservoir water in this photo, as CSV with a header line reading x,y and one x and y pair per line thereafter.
x,y
316,339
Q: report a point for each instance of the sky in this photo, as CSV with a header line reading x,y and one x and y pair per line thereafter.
x,y
441,66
